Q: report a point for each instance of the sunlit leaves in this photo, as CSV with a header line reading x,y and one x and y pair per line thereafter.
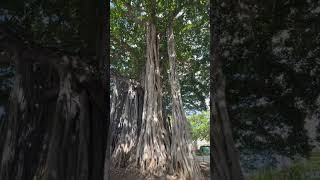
x,y
200,124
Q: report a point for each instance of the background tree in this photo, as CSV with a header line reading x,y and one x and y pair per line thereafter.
x,y
182,159
200,124
128,61
151,149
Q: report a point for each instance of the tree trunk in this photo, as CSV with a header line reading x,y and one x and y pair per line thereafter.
x,y
126,112
152,147
224,157
78,140
23,150
58,124
119,91
184,163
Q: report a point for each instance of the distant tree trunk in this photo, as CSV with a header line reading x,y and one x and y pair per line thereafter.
x,y
118,95
152,147
184,164
224,155
126,112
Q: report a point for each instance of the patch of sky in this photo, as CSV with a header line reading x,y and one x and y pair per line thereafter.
x,y
192,112
133,45
112,5
159,15
4,15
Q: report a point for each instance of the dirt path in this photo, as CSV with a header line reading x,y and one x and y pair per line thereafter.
x,y
125,174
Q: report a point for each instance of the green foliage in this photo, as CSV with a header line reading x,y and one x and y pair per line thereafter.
x,y
200,125
127,39
297,171
192,38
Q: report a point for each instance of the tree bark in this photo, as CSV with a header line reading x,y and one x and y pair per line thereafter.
x,y
23,151
224,156
126,112
184,163
58,124
152,147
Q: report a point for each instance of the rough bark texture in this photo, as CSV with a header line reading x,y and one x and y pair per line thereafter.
x,y
152,147
184,163
126,114
58,120
22,151
224,155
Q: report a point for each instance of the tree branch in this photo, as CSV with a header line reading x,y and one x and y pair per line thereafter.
x,y
173,15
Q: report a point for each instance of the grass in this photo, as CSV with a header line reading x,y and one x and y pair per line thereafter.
x,y
309,170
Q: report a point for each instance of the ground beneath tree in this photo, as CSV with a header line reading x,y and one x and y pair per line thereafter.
x,y
133,174
205,169
125,174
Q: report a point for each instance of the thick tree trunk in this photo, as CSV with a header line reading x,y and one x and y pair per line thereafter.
x,y
24,136
58,120
119,91
126,112
225,162
184,163
78,140
224,157
152,147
